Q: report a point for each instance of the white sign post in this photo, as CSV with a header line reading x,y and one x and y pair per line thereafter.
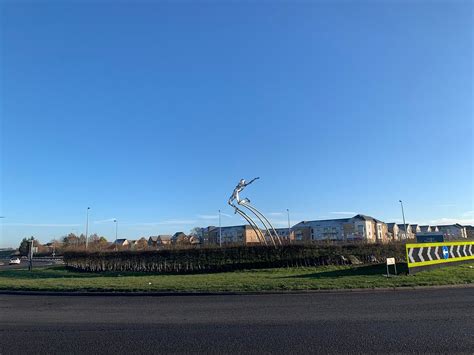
x,y
391,261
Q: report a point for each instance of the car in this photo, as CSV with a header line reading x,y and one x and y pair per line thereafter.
x,y
14,261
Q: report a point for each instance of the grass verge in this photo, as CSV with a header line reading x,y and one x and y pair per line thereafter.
x,y
282,279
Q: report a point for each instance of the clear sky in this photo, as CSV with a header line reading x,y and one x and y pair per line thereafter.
x,y
150,113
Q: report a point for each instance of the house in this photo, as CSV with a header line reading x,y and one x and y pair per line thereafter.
x,y
402,235
159,240
469,232
392,231
425,229
415,228
453,231
153,241
428,229
121,242
357,228
138,244
179,238
243,234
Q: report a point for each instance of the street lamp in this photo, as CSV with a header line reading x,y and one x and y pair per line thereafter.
x,y
116,228
220,230
403,215
289,228
87,226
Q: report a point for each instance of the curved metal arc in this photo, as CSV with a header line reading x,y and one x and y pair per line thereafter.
x,y
256,211
254,226
265,218
261,220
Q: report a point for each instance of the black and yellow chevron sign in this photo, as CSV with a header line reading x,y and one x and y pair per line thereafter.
x,y
427,255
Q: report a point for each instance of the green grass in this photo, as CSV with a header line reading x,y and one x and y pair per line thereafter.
x,y
314,278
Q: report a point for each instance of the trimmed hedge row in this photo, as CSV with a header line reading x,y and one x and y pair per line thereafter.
x,y
228,259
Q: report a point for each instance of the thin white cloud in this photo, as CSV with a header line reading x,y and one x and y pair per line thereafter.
x,y
344,212
468,213
208,216
165,222
108,220
41,224
275,214
213,216
447,220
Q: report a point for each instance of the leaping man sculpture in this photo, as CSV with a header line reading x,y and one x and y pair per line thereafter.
x,y
245,202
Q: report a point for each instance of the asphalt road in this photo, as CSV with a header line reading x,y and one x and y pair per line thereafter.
x,y
421,321
24,264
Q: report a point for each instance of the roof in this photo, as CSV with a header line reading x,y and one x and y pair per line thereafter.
x,y
120,241
402,226
327,220
367,218
450,225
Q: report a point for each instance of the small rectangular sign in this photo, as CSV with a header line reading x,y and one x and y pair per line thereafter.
x,y
390,261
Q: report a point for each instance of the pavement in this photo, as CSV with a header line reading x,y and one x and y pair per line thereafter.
x,y
402,321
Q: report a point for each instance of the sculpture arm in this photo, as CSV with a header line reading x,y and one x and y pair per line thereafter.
x,y
252,181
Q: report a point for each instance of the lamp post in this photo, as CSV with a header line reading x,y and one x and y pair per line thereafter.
x,y
220,230
116,229
87,227
289,227
403,215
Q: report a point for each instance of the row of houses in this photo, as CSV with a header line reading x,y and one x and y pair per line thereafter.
x,y
360,228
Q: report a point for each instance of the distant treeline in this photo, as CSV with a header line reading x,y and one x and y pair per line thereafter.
x,y
233,258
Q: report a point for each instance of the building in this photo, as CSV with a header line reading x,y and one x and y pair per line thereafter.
x,y
415,228
119,244
285,234
402,235
469,231
453,231
243,234
159,240
428,229
179,238
392,231
358,228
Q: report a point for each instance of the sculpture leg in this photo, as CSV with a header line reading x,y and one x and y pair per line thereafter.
x,y
254,209
261,220
254,226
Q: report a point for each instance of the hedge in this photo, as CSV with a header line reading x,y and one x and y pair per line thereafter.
x,y
228,259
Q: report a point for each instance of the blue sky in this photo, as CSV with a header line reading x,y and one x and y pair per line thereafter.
x,y
150,113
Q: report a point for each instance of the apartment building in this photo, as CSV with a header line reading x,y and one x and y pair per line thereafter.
x,y
453,231
357,228
243,234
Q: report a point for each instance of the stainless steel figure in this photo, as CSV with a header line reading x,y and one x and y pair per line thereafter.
x,y
270,231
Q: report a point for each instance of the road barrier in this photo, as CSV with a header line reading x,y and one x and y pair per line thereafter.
x,y
422,256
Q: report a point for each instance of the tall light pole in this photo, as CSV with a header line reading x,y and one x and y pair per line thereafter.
x,y
220,230
87,227
116,229
289,227
403,215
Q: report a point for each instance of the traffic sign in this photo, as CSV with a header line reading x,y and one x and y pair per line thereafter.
x,y
422,255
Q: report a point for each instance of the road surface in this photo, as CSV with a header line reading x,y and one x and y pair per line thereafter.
x,y
4,263
421,321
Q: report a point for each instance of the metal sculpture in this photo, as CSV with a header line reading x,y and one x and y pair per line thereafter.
x,y
245,202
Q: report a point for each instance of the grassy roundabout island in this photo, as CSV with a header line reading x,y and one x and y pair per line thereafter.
x,y
278,279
